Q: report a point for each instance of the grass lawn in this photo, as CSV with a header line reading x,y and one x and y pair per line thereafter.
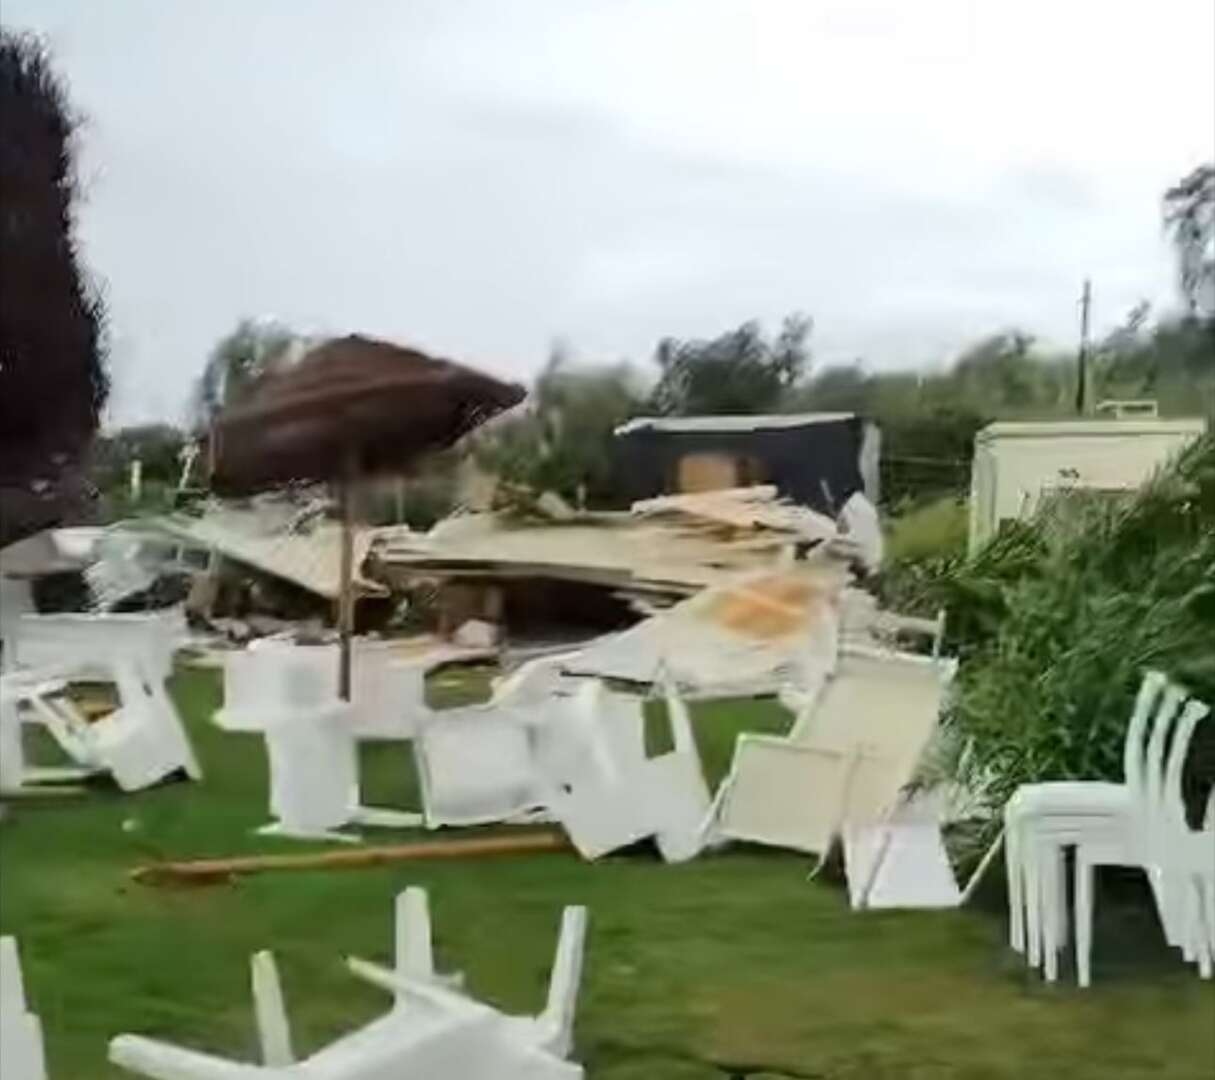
x,y
731,957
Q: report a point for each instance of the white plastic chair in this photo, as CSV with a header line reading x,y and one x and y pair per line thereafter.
x,y
388,694
139,743
75,642
608,794
478,764
314,778
451,1037
477,767
1043,820
551,1030
27,689
289,694
143,740
431,1030
1156,838
21,1051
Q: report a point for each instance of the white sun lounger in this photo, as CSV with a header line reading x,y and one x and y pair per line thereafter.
x,y
841,771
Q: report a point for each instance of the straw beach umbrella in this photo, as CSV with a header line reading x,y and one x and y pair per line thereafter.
x,y
352,407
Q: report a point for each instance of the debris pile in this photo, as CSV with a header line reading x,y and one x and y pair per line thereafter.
x,y
503,566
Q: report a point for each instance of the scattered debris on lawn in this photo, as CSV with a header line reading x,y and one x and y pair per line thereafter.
x,y
540,573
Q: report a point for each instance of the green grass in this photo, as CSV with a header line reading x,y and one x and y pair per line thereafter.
x,y
930,530
731,957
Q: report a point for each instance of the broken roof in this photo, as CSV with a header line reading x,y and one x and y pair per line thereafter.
x,y
676,544
267,537
766,422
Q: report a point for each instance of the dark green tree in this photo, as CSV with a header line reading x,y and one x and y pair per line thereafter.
x,y
563,440
1189,216
53,382
253,348
156,446
740,371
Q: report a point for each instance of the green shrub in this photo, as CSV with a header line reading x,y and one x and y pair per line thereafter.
x,y
935,529
1059,618
924,545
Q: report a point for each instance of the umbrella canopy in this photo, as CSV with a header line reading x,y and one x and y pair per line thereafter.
x,y
353,404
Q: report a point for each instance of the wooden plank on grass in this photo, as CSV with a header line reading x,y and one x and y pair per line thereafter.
x,y
202,871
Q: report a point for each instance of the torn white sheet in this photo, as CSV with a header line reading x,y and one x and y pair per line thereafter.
x,y
862,529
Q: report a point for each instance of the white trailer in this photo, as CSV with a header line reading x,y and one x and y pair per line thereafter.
x,y
1015,463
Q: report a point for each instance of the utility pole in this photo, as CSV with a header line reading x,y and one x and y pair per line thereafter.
x,y
1086,300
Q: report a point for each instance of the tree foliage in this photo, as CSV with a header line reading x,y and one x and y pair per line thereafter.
x,y
253,348
928,419
1059,617
1189,216
53,383
156,446
740,371
563,439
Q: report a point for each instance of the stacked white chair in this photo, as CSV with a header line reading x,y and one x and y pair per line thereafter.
x,y
431,1030
1139,823
21,1053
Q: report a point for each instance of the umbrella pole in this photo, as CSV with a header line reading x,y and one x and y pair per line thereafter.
x,y
346,574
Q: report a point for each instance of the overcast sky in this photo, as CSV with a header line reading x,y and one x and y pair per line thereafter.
x,y
478,178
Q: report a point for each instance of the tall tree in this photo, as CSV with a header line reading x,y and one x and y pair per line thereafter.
x,y
253,348
739,372
53,382
1189,215
563,440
